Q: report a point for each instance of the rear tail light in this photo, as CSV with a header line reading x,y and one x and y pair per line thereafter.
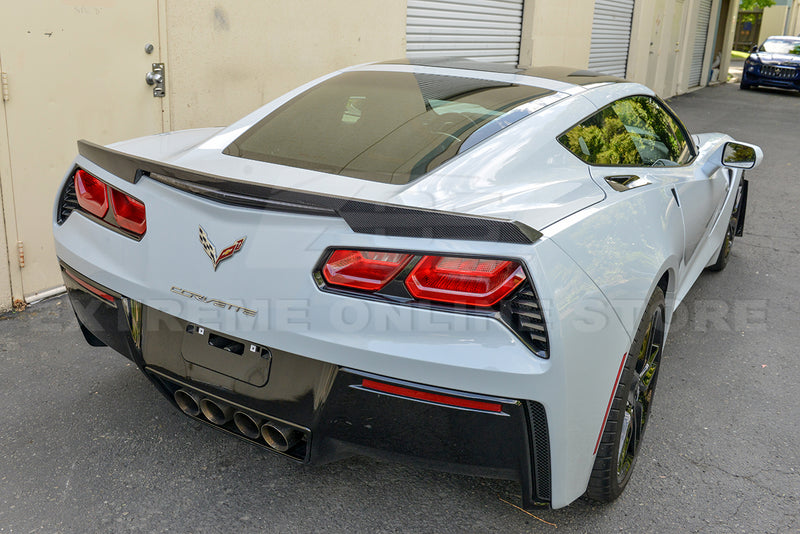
x,y
363,269
470,281
129,212
95,196
448,279
92,193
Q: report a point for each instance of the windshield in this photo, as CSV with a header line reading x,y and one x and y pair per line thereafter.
x,y
385,126
781,46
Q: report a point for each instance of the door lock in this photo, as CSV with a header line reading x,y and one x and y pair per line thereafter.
x,y
156,78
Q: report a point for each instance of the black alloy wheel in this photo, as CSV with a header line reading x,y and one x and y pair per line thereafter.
x,y
630,409
727,244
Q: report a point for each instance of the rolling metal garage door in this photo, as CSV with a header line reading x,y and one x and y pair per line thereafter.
x,y
611,36
700,38
486,30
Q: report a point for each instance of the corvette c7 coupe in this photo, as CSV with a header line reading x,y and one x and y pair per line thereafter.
x,y
457,264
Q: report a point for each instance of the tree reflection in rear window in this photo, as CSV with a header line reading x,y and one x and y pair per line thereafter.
x,y
385,126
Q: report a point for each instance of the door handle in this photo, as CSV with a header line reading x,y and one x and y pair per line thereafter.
x,y
156,78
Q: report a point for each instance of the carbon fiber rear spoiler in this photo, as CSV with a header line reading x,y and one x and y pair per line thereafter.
x,y
362,217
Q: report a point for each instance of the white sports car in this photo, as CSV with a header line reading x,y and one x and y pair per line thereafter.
x,y
446,263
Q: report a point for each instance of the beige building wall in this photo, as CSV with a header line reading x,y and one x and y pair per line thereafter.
x,y
5,275
556,32
6,210
728,30
794,25
773,22
226,59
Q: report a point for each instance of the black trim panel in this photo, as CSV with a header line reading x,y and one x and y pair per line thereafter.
x,y
326,403
362,217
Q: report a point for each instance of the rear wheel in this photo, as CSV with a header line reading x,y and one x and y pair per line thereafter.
x,y
630,408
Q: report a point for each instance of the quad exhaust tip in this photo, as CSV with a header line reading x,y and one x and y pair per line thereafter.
x,y
247,425
279,436
188,401
219,414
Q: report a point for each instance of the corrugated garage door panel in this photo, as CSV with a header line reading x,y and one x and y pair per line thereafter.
x,y
700,38
611,36
486,30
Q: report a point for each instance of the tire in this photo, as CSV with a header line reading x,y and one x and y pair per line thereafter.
x,y
744,86
630,409
727,244
724,252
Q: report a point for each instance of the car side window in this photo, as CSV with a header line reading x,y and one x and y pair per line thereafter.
x,y
634,131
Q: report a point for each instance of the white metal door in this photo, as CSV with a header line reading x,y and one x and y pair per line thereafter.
x,y
700,39
611,36
486,30
74,71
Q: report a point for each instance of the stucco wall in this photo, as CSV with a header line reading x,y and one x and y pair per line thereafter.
x,y
557,33
225,60
794,25
5,275
773,22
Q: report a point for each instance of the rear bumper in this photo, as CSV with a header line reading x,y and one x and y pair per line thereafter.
x,y
334,409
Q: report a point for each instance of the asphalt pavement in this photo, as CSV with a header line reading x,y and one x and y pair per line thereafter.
x,y
87,445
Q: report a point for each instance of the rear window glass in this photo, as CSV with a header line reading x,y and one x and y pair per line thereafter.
x,y
385,126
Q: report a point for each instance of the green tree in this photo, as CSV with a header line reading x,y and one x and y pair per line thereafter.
x,y
750,5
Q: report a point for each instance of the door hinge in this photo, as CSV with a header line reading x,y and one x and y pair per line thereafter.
x,y
4,84
21,251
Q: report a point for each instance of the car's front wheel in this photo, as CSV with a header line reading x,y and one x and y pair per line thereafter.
x,y
630,409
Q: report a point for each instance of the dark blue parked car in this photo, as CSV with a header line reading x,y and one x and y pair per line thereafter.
x,y
776,63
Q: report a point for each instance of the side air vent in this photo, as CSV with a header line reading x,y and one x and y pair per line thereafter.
x,y
540,451
68,202
526,318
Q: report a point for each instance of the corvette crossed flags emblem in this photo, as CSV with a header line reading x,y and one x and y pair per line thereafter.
x,y
226,253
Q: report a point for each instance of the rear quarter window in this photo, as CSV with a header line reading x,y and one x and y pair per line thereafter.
x,y
634,131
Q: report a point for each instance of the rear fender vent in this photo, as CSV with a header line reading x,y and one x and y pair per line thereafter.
x,y
68,201
525,316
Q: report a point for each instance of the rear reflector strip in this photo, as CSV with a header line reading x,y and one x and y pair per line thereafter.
x,y
611,400
437,398
99,292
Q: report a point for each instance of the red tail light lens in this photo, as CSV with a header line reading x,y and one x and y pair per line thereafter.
x,y
362,269
470,281
91,193
129,212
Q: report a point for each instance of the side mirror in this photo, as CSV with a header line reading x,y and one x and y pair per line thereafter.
x,y
754,49
741,156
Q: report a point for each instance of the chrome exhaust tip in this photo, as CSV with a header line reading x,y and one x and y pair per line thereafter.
x,y
279,436
219,414
188,401
247,425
